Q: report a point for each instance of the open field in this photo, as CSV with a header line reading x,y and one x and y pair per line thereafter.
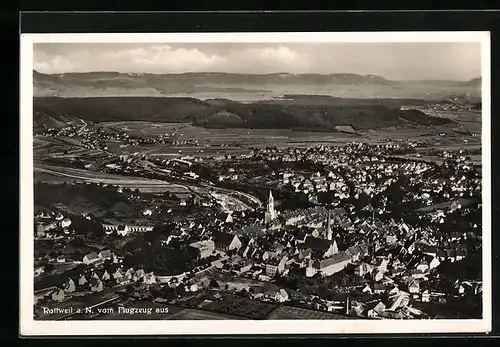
x,y
143,184
242,307
183,131
193,314
238,141
290,312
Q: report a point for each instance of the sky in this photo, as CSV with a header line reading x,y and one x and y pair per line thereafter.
x,y
396,61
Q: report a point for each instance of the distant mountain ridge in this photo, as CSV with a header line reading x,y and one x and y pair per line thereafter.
x,y
243,87
214,77
234,78
475,82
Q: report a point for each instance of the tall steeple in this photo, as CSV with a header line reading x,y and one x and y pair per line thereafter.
x,y
328,227
328,234
270,212
270,203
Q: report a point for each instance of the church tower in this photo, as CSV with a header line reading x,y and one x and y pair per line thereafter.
x,y
270,212
328,234
328,227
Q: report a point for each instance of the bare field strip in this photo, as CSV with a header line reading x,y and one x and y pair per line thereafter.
x,y
142,184
288,312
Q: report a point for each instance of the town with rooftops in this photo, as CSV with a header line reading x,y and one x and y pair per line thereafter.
x,y
342,232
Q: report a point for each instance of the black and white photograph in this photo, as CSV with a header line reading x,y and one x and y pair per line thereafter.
x,y
273,181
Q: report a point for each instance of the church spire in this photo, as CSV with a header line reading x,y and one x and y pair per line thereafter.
x,y
270,202
270,212
328,227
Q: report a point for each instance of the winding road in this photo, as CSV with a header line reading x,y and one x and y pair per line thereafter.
x,y
232,196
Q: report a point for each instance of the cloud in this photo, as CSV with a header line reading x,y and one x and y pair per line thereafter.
x,y
394,61
165,58
57,64
162,58
154,58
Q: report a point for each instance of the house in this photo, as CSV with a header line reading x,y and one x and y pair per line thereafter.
x,y
140,273
377,276
304,254
412,285
391,239
329,266
253,230
58,295
66,222
244,267
226,242
379,288
42,228
263,278
357,252
249,252
367,289
402,299
323,248
96,285
362,269
283,295
122,230
229,218
393,291
106,276
99,262
122,281
105,255
397,265
417,274
460,254
130,273
429,250
118,274
376,310
426,296
39,270
275,266
441,255
150,278
423,266
276,294
70,287
82,280
403,227
203,248
382,266
90,258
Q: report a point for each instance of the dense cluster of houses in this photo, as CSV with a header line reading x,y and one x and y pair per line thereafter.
x,y
95,278
52,225
395,260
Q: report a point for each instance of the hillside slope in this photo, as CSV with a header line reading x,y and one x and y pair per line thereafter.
x,y
230,114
